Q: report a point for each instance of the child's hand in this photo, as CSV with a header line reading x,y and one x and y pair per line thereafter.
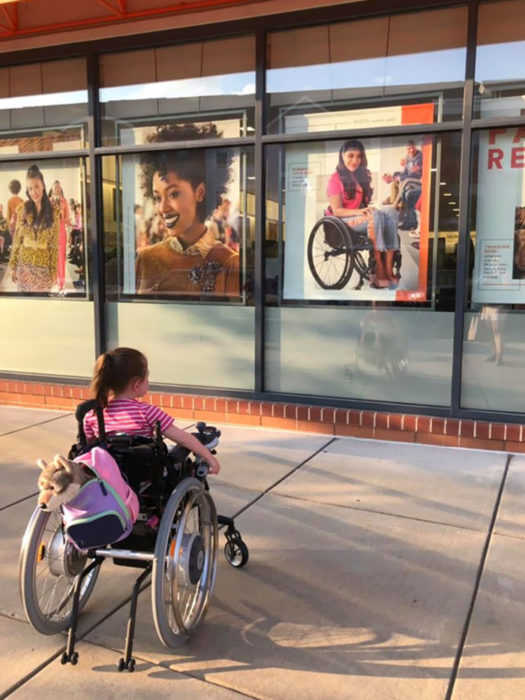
x,y
213,465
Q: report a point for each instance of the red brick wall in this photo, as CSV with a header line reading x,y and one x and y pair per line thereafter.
x,y
318,419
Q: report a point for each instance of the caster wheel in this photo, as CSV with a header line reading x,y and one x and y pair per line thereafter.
x,y
121,665
63,659
131,665
74,658
236,552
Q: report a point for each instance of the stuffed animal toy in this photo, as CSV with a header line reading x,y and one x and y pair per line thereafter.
x,y
60,481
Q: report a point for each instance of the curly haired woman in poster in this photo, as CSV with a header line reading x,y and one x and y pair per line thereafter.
x,y
189,260
33,261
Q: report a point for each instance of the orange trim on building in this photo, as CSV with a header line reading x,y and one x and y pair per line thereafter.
x,y
13,24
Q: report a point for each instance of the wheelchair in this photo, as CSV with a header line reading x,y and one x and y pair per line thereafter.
x,y
381,349
175,539
335,252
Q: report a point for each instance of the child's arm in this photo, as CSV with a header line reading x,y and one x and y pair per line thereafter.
x,y
191,443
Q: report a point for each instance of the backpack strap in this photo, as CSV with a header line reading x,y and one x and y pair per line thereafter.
x,y
101,425
80,412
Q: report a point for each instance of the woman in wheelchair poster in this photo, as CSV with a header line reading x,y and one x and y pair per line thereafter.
x,y
357,219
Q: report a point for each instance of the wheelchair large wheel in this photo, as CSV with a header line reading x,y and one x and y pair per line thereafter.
x,y
49,568
185,562
330,253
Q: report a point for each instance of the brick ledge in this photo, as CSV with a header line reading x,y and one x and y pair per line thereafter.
x,y
451,432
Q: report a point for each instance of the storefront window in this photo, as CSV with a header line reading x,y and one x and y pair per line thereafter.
x,y
346,75
500,72
361,249
179,232
184,84
47,318
494,349
43,107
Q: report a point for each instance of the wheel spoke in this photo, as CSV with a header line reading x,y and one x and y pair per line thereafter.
x,y
47,583
181,594
330,253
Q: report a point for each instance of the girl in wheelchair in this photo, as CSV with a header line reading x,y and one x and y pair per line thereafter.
x,y
349,192
172,536
120,378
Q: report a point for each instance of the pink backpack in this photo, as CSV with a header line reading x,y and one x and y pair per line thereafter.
x,y
105,508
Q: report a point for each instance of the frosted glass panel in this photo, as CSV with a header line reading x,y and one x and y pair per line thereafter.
x,y
494,360
373,354
210,346
47,336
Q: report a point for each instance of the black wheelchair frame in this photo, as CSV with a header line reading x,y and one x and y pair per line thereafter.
x,y
335,252
174,539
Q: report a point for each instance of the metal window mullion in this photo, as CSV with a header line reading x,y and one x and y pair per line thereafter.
x,y
45,155
96,206
342,134
498,122
175,145
260,199
463,222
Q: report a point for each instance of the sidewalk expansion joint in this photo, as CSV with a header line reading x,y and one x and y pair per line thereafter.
x,y
477,583
375,511
20,500
33,425
286,476
80,637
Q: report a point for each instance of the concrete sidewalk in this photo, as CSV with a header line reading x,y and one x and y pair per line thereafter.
x,y
377,570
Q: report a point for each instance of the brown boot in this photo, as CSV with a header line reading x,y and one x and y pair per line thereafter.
x,y
381,277
389,266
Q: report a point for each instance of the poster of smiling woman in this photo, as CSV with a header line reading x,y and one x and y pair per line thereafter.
x,y
181,221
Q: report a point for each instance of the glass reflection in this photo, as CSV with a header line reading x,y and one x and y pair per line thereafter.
x,y
43,107
187,84
494,349
433,69
232,84
349,67
500,76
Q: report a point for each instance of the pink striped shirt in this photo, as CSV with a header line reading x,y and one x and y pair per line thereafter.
x,y
128,416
